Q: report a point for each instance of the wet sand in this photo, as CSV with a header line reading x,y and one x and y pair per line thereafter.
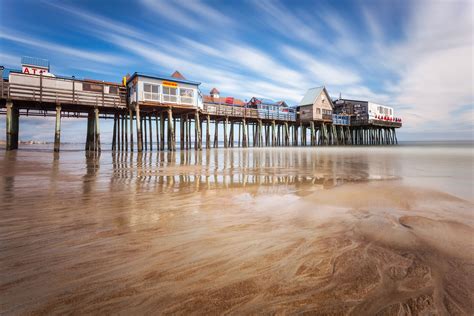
x,y
360,231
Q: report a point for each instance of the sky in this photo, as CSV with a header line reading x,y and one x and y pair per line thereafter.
x,y
416,56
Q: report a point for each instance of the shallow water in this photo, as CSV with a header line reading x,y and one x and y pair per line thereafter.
x,y
354,230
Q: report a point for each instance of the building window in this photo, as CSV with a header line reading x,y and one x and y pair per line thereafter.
x,y
318,110
151,92
113,90
170,94
92,87
186,95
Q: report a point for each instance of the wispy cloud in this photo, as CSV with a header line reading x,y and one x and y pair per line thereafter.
x,y
194,15
20,38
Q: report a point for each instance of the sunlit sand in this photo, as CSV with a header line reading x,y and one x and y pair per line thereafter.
x,y
293,230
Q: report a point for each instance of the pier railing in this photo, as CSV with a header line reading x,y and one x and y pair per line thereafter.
x,y
241,112
228,110
42,94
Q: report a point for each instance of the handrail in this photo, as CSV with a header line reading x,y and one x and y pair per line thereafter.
x,y
61,95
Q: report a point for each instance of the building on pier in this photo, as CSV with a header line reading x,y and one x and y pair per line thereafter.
x,y
273,110
215,98
363,113
316,105
159,90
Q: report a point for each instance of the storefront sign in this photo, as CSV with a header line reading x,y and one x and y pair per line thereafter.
x,y
170,84
35,71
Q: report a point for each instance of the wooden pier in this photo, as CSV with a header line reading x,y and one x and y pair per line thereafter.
x,y
145,126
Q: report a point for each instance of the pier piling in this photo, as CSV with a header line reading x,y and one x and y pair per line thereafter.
x,y
57,130
139,130
12,125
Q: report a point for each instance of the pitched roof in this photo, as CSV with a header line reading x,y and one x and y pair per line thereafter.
x,y
140,74
214,91
311,95
178,75
221,100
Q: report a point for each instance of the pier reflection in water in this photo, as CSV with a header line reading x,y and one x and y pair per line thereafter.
x,y
332,230
194,171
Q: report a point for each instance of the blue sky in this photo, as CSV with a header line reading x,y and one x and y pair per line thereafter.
x,y
413,55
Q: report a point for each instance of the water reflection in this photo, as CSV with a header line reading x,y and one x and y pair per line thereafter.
x,y
192,170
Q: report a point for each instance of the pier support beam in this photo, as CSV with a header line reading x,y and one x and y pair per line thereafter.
x,y
208,132
12,126
244,133
151,132
226,122
157,125
197,132
123,132
274,135
139,129
96,130
144,132
125,144
181,132
57,129
130,116
162,132
114,134
90,132
216,133
171,141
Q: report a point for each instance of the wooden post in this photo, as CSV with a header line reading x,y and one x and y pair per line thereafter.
x,y
139,129
126,132
238,140
274,136
145,132
197,127
174,133
216,133
162,131
181,132
12,126
157,126
231,134
188,132
171,142
97,130
208,132
151,132
57,130
90,131
122,132
130,116
335,139
119,128
295,132
225,132
114,133
254,129
244,133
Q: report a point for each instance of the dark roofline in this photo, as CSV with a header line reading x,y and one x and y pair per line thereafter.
x,y
351,100
161,77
